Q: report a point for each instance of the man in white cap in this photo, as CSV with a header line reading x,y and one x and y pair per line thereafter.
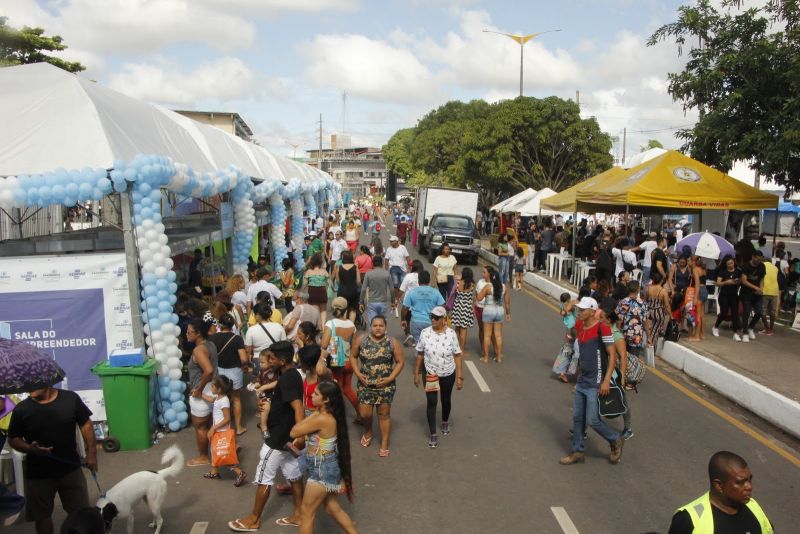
x,y
597,359
396,261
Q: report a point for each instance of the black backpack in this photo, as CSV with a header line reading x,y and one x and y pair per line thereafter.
x,y
605,260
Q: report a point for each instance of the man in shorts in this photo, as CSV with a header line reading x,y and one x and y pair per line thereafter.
x,y
43,427
286,409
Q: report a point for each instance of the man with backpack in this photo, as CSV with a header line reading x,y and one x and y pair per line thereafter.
x,y
597,359
605,261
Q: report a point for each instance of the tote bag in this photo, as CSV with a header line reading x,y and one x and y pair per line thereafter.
x,y
223,448
612,405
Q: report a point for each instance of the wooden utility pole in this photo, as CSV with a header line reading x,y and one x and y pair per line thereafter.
x,y
320,142
578,98
624,143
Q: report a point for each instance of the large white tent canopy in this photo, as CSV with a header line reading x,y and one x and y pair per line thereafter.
x,y
533,206
70,122
522,196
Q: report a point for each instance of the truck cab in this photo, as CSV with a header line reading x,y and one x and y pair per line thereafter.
x,y
458,231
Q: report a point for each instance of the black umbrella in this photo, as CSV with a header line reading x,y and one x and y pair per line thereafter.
x,y
23,368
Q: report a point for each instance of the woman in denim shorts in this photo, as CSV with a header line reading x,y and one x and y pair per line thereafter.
x,y
327,456
496,308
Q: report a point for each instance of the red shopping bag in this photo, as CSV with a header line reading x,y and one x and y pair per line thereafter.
x,y
223,448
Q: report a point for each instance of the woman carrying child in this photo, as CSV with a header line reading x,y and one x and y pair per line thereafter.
x,y
264,387
221,419
327,457
567,360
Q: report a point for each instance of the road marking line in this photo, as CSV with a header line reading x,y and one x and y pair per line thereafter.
x,y
764,440
761,438
199,528
478,378
563,519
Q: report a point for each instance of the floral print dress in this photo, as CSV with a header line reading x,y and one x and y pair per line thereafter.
x,y
376,359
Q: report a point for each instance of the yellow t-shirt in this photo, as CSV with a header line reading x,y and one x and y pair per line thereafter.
x,y
444,267
276,317
771,280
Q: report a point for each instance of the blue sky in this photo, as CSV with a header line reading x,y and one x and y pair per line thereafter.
x,y
280,63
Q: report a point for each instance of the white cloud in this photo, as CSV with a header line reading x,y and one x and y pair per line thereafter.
x,y
368,68
222,80
270,8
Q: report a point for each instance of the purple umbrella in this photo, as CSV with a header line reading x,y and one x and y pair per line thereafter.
x,y
23,368
706,245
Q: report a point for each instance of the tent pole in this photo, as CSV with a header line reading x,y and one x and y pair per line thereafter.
x,y
627,224
775,231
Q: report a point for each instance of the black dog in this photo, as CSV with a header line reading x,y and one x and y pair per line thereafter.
x,y
90,520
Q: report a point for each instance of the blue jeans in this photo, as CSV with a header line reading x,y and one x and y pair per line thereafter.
x,y
584,411
417,328
397,274
376,308
504,268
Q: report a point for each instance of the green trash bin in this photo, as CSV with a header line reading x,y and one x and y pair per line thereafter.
x,y
129,394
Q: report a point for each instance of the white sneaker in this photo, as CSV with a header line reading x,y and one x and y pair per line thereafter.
x,y
751,333
715,331
745,338
737,337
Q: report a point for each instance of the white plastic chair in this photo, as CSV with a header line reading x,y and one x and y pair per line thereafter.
x,y
16,458
637,274
713,294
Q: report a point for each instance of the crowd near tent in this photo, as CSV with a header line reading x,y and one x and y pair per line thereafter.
x,y
67,140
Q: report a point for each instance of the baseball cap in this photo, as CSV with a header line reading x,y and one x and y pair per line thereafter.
x,y
439,311
393,238
653,234
312,232
339,303
587,303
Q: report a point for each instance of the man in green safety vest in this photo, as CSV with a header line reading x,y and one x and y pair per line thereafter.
x,y
727,507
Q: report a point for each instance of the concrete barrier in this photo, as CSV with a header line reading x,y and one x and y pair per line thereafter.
x,y
779,410
762,401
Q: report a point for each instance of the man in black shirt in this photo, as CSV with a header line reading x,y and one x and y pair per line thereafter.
x,y
727,508
752,291
43,427
286,409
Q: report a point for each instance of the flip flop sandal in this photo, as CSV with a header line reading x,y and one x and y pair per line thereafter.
x,y
240,432
284,522
195,463
237,526
240,479
365,441
212,476
383,453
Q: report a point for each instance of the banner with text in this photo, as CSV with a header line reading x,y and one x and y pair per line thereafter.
x,y
75,307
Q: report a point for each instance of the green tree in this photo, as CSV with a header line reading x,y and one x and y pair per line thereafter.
x,y
500,148
652,143
29,45
742,75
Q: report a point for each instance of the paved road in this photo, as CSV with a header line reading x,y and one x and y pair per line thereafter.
x,y
498,470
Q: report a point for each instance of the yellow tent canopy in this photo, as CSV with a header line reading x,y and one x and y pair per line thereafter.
x,y
566,200
671,183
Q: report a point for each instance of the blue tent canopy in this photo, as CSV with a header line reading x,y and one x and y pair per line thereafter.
x,y
786,207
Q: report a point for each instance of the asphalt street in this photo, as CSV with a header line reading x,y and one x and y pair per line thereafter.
x,y
498,470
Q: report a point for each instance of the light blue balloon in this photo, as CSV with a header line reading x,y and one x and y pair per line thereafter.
x,y
174,318
174,426
171,276
179,406
130,174
175,385
170,415
164,306
172,299
154,323
163,381
175,395
183,417
173,287
162,284
165,391
161,420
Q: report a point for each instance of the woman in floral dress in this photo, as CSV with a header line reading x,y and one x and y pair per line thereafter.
x,y
377,360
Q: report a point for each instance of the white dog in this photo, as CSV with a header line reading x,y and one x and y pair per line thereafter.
x,y
149,486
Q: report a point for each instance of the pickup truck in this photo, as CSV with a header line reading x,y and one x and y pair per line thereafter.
x,y
456,230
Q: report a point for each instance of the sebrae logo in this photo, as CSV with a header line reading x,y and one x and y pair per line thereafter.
x,y
119,272
122,308
77,274
123,345
29,276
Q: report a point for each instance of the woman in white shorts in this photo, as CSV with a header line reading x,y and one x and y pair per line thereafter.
x,y
496,308
202,368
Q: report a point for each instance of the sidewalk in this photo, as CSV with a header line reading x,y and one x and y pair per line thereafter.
x,y
760,376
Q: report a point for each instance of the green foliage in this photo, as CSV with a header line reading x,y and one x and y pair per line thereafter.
x,y
500,148
651,143
28,45
743,76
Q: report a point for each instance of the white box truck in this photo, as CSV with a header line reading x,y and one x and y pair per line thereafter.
x,y
447,215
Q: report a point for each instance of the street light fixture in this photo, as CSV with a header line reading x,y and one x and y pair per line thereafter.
x,y
521,39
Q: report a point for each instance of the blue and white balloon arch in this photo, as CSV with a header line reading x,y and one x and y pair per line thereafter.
x,y
144,177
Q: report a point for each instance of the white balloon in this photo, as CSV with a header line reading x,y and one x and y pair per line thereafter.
x,y
174,374
174,363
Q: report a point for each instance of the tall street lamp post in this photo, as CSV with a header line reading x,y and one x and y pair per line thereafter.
x,y
521,39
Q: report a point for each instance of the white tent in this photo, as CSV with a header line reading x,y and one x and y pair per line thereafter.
x,y
526,195
54,119
641,157
532,206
